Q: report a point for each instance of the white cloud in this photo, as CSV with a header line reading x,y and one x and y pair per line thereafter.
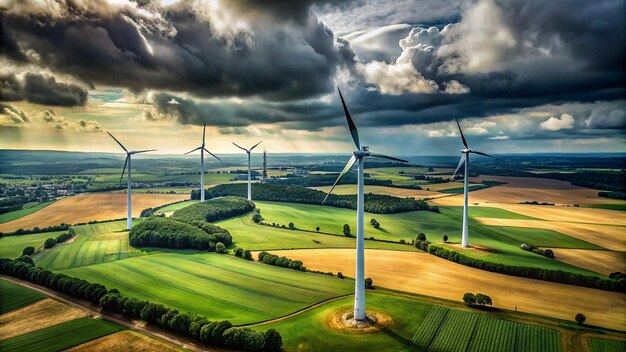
x,y
565,122
476,130
500,137
396,79
435,134
455,87
173,102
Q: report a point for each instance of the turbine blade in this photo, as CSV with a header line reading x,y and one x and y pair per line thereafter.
x,y
118,142
351,125
343,172
124,169
382,156
254,146
193,150
462,136
459,166
142,151
240,147
484,154
215,156
203,134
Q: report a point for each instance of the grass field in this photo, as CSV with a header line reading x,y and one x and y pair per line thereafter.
x,y
12,215
426,328
170,209
12,246
426,274
218,286
94,243
124,341
87,207
604,345
20,296
60,337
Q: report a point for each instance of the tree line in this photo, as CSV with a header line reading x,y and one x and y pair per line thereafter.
x,y
170,233
316,180
18,232
214,210
531,272
374,203
215,333
273,259
612,195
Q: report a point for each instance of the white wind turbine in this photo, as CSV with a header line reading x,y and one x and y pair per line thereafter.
x,y
358,156
202,150
129,216
465,153
249,171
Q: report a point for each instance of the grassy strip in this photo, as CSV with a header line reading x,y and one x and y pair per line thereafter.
x,y
13,215
19,296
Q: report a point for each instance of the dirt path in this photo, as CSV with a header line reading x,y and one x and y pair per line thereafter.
x,y
149,330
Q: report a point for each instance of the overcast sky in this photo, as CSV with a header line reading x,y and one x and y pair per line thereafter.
x,y
520,75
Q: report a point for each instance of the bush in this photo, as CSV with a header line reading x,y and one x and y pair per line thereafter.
x,y
49,243
30,250
26,259
257,218
346,230
169,233
273,341
369,283
445,238
247,255
421,236
292,226
483,299
544,252
340,275
214,210
375,223
63,237
239,252
317,229
580,318
220,247
618,275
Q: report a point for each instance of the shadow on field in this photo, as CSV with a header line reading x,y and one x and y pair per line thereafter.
x,y
403,340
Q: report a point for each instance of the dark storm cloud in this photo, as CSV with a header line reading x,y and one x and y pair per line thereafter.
x,y
40,89
184,48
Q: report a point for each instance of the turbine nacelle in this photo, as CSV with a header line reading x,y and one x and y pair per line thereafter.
x,y
465,151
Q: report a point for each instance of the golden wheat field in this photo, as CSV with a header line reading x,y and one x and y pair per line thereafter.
x,y
89,207
124,341
429,275
391,191
603,262
36,316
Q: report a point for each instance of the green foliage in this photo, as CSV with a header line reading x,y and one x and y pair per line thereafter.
x,y
26,259
375,223
530,272
469,298
346,230
340,275
49,243
239,252
544,252
257,218
30,250
214,210
421,236
220,247
580,318
369,283
445,238
374,203
18,232
169,233
483,299
292,226
272,259
247,255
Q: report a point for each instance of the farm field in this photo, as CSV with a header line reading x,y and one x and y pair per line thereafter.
x,y
36,316
168,210
390,191
20,296
61,336
604,262
125,340
12,215
89,207
218,286
94,243
605,345
12,246
426,274
429,327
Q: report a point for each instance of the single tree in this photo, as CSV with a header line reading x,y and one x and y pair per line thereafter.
x,y
369,283
469,298
483,299
340,275
30,250
247,255
220,247
49,243
239,252
292,226
548,253
421,236
317,229
257,218
346,230
445,238
580,318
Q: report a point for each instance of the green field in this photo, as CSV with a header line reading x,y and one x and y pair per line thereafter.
x,y
417,326
20,296
604,345
169,209
12,215
60,337
94,243
12,246
218,286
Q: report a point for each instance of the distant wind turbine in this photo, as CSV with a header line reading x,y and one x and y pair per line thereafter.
x,y
358,155
202,150
465,153
249,170
129,216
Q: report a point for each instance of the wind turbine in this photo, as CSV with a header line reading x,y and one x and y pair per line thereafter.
x,y
249,172
358,156
129,216
202,150
465,153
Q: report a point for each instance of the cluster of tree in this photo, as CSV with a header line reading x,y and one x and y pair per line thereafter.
x,y
9,204
243,253
257,218
477,299
170,233
18,232
421,242
612,195
544,252
618,275
534,202
150,211
374,203
375,223
51,242
272,259
531,272
432,179
217,333
214,210
317,180
604,180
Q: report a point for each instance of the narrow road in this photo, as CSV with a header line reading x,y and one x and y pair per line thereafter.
x,y
140,326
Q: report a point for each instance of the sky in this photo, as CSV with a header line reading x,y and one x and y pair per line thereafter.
x,y
521,76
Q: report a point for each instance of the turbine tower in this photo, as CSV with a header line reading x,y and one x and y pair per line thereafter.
x,y
202,150
129,216
358,156
249,172
264,165
465,154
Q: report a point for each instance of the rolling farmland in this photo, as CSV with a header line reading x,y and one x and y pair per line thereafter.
x,y
12,246
6,217
20,296
604,345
